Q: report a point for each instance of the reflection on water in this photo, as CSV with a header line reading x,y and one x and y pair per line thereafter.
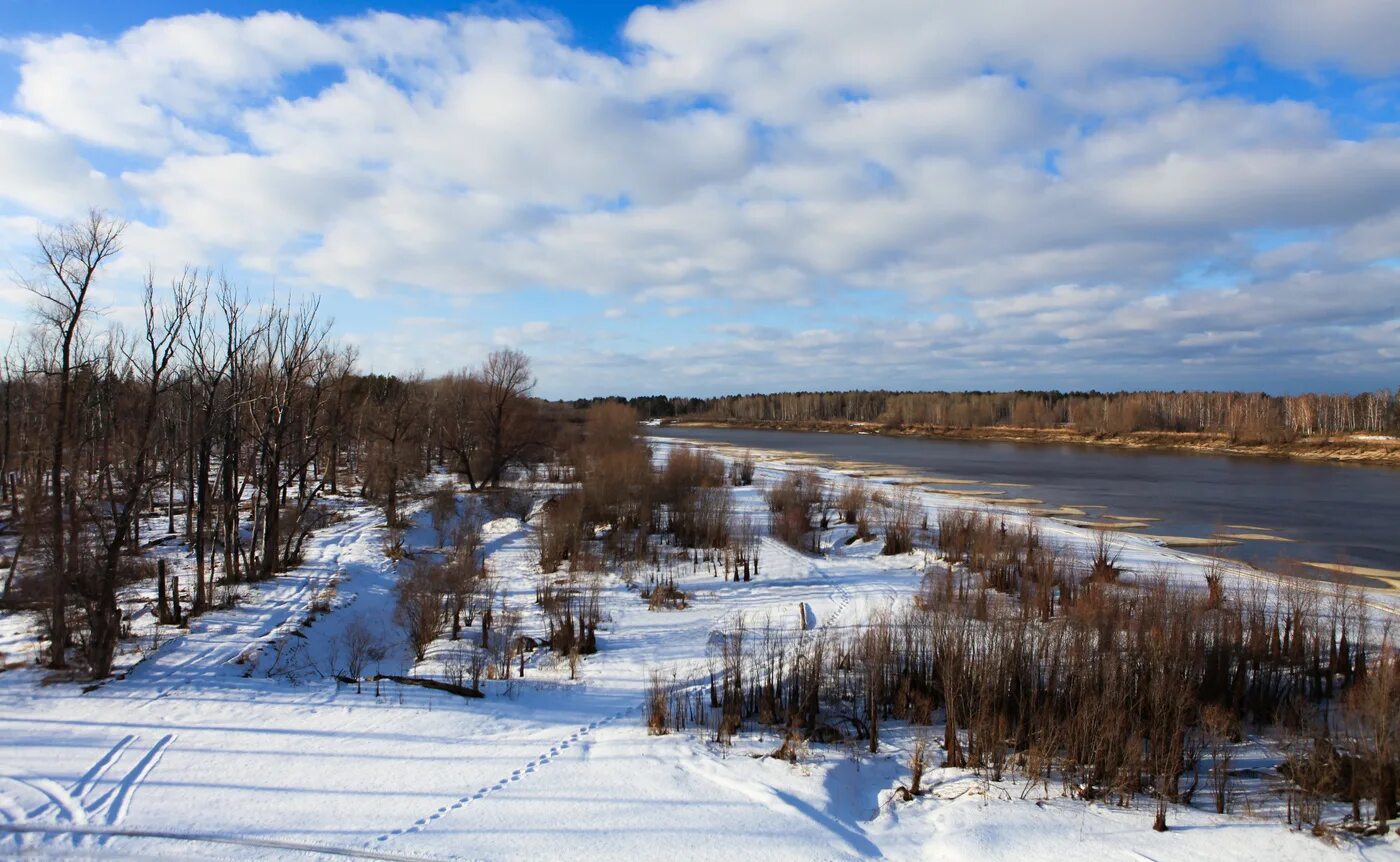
x,y
1271,509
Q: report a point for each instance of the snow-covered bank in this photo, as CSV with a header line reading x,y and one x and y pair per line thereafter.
x,y
238,731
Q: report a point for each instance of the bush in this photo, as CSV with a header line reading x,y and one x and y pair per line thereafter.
x,y
561,531
699,517
899,517
741,470
418,606
666,596
852,502
791,505
442,508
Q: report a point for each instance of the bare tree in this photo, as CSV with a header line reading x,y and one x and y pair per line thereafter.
x,y
132,476
291,347
506,416
72,255
394,426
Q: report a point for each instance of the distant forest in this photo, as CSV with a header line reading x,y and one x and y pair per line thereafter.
x,y
1248,416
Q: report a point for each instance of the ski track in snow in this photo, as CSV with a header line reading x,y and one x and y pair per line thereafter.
x,y
197,656
224,637
79,804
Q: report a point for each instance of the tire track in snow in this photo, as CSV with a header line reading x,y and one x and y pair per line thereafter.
x,y
556,751
84,785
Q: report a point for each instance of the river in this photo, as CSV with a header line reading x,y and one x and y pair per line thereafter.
x,y
1327,512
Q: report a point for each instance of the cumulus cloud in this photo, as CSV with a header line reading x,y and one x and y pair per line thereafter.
x,y
42,172
1025,190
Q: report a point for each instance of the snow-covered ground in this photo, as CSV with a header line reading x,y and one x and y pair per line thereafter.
x,y
234,740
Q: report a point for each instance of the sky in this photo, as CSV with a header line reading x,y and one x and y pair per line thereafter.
x,y
744,195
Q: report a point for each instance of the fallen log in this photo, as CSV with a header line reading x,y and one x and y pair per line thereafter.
x,y
450,688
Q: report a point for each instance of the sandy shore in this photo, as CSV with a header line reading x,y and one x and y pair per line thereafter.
x,y
1356,448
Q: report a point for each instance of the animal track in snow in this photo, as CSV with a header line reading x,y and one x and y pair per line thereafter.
x,y
530,768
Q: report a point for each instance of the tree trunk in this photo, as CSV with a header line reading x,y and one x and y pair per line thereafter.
x,y
58,625
272,526
162,603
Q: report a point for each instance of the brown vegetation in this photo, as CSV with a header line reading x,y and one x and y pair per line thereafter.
x,y
792,503
1118,695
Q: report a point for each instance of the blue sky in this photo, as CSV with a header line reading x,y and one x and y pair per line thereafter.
x,y
734,196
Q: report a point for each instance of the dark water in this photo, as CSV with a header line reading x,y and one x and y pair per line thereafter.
x,y
1333,512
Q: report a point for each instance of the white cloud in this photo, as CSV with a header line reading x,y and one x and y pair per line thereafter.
x,y
148,90
1059,168
41,171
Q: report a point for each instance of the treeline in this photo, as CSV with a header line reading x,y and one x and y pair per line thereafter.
x,y
649,406
1244,416
215,424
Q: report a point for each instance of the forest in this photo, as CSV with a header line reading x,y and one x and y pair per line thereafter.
x,y
230,419
1242,416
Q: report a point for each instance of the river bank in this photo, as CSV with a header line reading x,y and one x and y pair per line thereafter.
x,y
1355,449
1262,510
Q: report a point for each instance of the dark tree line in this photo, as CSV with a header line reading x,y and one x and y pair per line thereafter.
x,y
1247,416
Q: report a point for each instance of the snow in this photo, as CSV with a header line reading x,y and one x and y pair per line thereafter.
x,y
235,739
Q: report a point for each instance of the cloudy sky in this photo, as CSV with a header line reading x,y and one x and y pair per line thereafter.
x,y
739,195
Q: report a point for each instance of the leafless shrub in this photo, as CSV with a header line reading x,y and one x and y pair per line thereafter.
x,y
1215,583
918,762
665,595
699,517
357,644
395,537
791,504
898,518
1221,728
852,501
515,502
743,553
323,600
573,609
462,664
1372,713
1312,767
136,570
418,606
658,705
686,468
1103,566
741,470
442,509
561,531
